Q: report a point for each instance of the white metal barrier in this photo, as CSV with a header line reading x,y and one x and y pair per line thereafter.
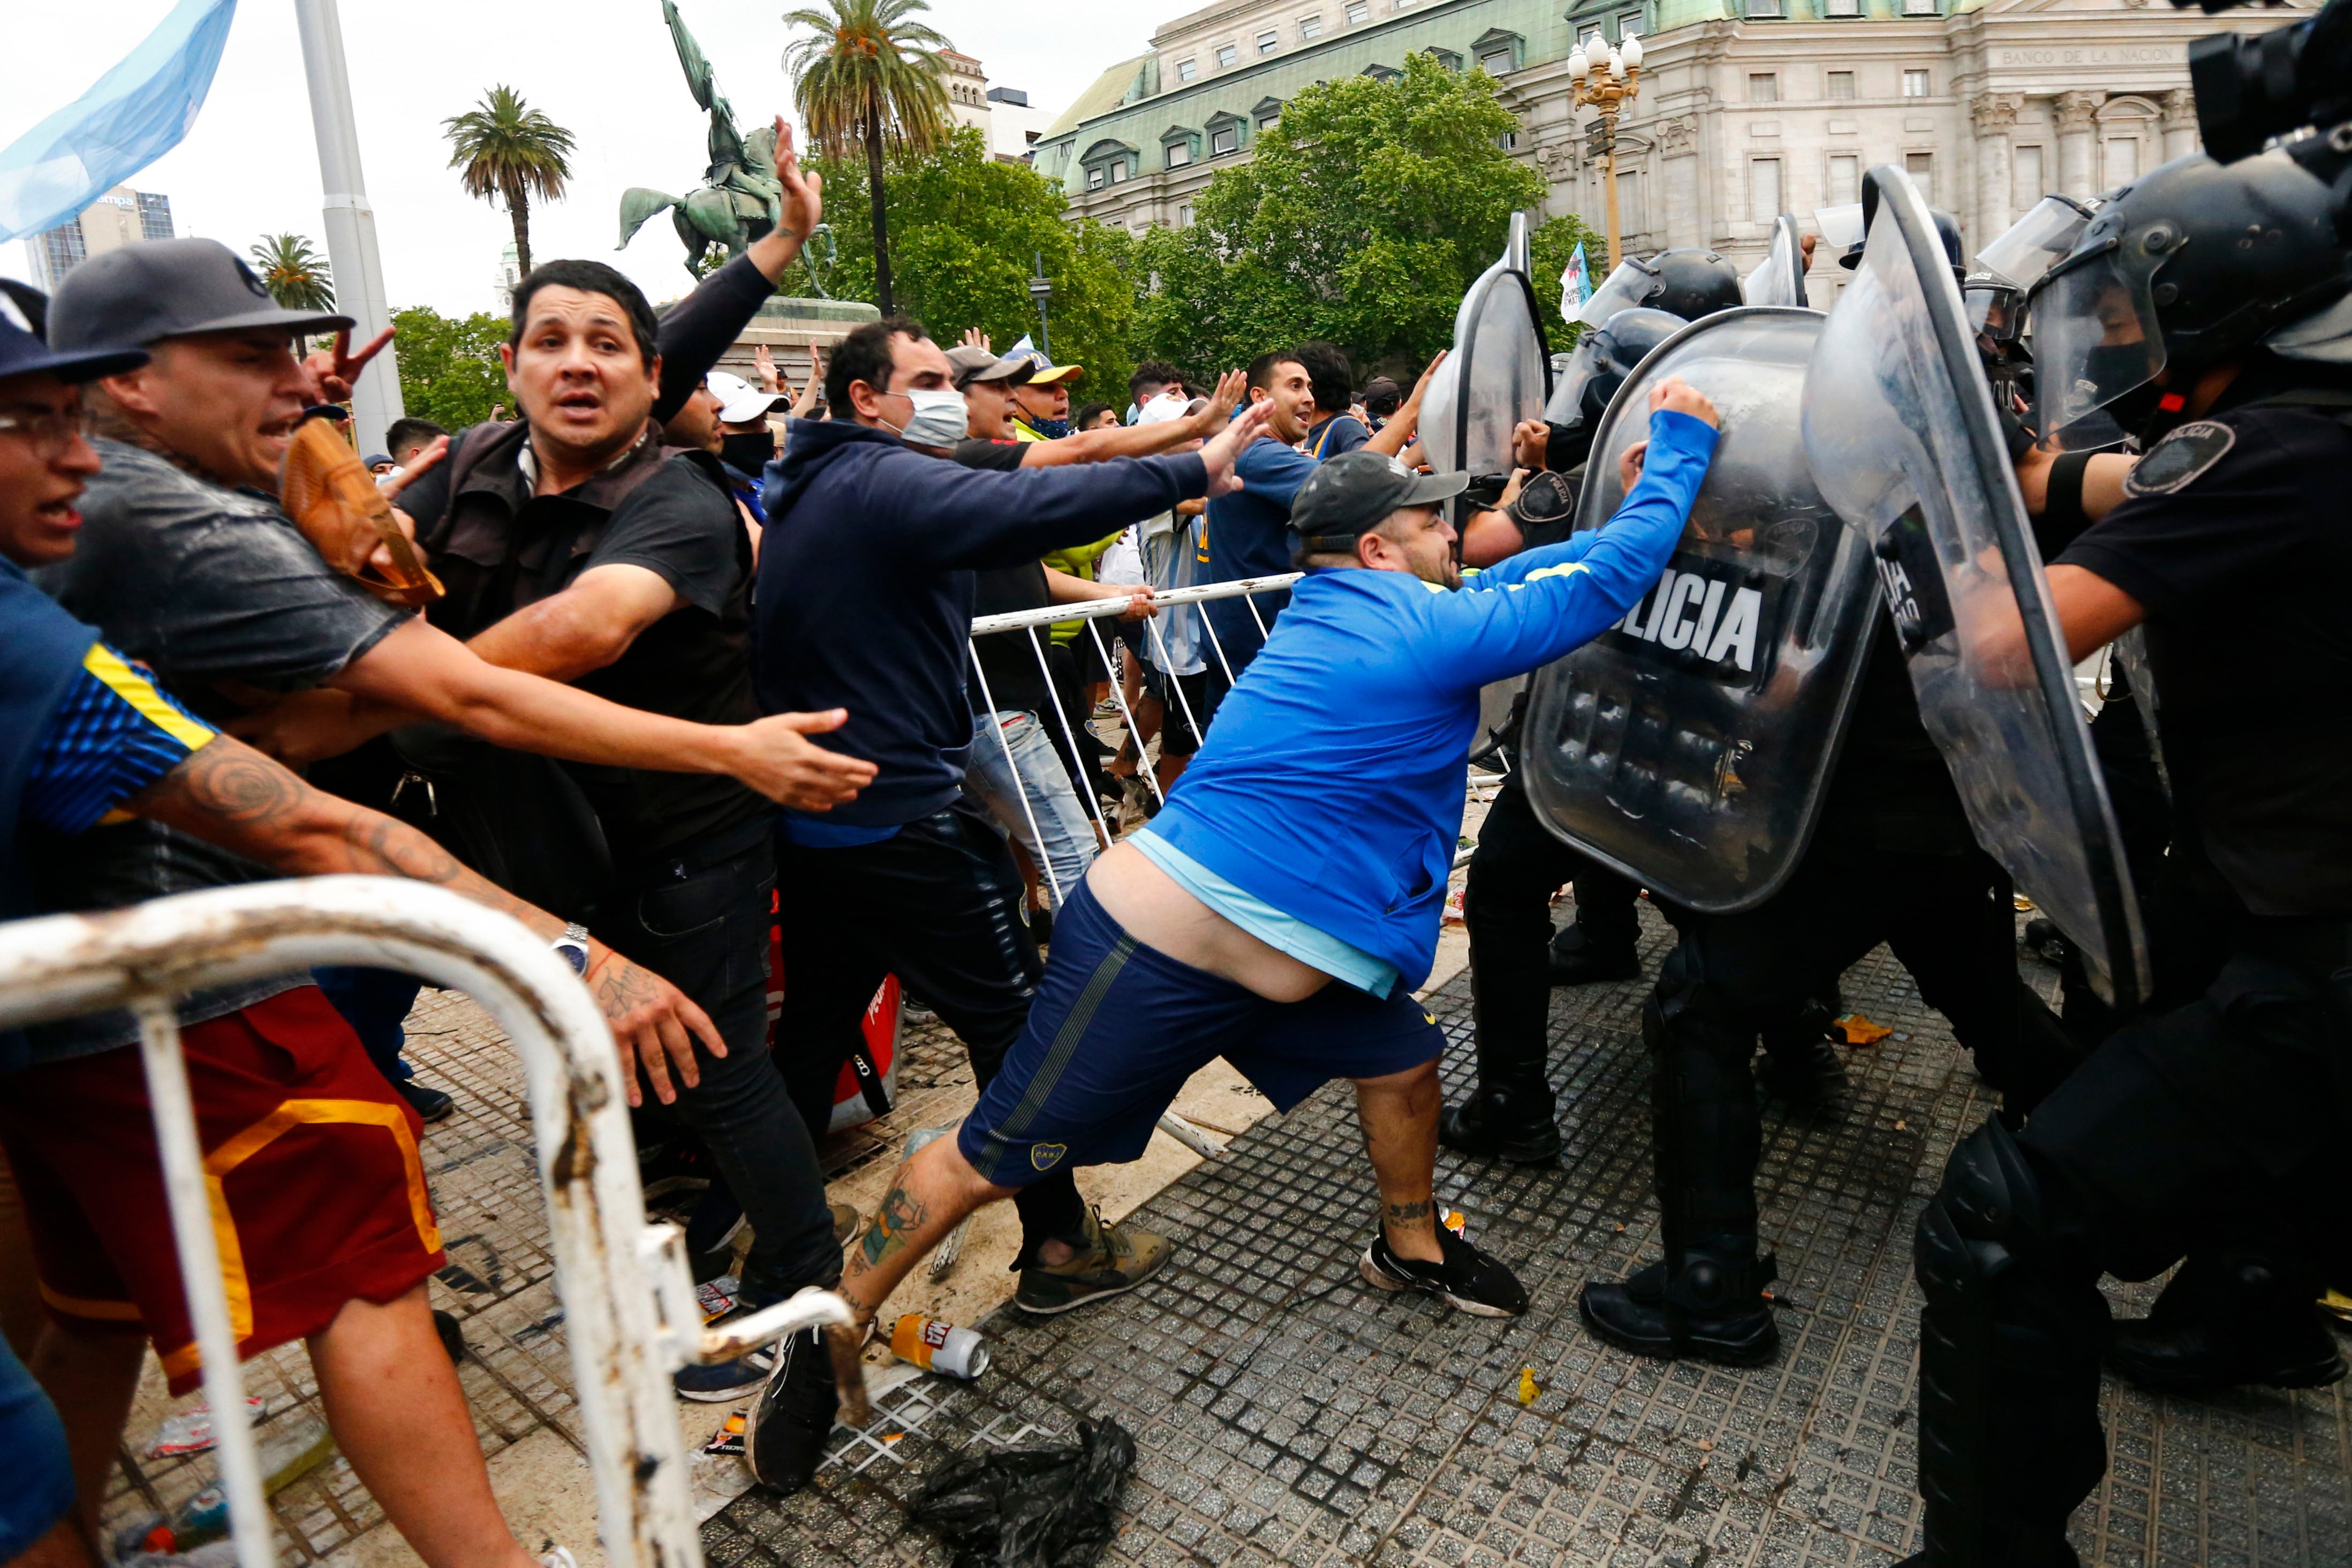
x,y
628,1301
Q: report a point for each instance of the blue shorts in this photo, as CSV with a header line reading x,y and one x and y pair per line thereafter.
x,y
38,1486
1116,1028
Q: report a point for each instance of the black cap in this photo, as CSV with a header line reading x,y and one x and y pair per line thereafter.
x,y
169,288
24,312
1356,492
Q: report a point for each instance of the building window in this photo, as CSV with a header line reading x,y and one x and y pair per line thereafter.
x,y
1310,27
1226,55
1921,167
1268,41
155,215
1841,84
1184,216
1628,23
1763,87
1447,58
1224,139
1915,84
1509,142
1497,64
1187,69
1628,201
1179,154
2123,161
1844,8
1096,178
1765,10
1359,11
1845,179
1920,7
1119,172
2025,178
1763,189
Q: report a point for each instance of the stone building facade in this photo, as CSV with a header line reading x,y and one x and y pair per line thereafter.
x,y
1747,107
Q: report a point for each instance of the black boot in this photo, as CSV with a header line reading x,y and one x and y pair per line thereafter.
x,y
1800,1067
1578,960
1706,1299
1500,1122
2225,1320
1711,1306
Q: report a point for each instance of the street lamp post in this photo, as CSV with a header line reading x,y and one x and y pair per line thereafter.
x,y
1041,290
350,220
1606,78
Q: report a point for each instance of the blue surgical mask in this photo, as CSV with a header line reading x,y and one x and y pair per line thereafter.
x,y
1052,429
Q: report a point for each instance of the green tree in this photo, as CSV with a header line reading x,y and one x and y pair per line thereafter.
x,y
970,227
867,75
296,275
449,368
1365,213
511,152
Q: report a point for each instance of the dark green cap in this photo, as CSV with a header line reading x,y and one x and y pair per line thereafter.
x,y
1356,492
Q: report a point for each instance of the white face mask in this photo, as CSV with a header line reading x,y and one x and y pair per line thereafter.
x,y
940,418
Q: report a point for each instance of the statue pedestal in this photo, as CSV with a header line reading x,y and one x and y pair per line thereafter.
x,y
790,328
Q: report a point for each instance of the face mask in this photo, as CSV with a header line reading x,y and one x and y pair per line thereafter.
x,y
941,417
1051,429
748,453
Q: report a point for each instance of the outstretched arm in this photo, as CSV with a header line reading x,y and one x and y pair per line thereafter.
x,y
1141,440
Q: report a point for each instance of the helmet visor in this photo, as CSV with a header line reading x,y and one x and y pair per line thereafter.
x,y
2094,333
2036,241
1841,226
1627,286
1567,389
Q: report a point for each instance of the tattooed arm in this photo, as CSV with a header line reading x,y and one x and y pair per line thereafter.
x,y
228,794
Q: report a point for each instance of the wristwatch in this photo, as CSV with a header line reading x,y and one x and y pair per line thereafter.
x,y
573,947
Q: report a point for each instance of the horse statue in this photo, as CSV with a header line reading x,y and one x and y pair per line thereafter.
x,y
740,198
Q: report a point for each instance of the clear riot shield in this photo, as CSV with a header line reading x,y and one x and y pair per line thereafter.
x,y
1497,373
1779,277
1689,746
1898,425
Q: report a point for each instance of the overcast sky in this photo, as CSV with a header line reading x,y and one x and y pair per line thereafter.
x,y
602,68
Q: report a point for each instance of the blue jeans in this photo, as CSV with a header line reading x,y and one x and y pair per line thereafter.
x,y
375,1003
1032,773
38,1486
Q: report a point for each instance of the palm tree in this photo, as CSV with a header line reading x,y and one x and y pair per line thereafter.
x,y
869,74
296,275
509,150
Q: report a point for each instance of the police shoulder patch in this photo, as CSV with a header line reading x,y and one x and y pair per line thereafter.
x,y
2180,458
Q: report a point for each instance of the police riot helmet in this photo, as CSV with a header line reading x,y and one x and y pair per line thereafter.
x,y
2192,264
1691,281
1947,229
1618,345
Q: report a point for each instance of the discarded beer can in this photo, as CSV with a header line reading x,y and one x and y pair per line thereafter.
x,y
939,1347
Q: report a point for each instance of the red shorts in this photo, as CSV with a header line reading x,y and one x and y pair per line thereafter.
x,y
317,1190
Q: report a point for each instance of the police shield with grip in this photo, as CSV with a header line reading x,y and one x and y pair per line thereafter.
x,y
2206,308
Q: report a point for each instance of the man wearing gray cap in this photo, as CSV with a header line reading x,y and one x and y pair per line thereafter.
x,y
1310,843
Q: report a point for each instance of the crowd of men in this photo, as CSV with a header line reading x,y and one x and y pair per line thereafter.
x,y
692,694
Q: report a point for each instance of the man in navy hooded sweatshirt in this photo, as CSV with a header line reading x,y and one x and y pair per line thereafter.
x,y
865,590
1284,905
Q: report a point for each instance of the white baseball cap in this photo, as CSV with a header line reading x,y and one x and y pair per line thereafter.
x,y
1164,406
740,403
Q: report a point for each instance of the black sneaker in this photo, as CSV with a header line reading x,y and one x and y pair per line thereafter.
x,y
727,1380
784,1433
427,1101
1470,1280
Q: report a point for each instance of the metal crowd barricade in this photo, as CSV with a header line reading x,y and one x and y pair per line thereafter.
x,y
628,1301
1094,612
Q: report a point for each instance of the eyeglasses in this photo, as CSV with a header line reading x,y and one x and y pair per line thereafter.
x,y
51,433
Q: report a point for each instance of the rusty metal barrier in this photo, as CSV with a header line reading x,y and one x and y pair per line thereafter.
x,y
628,1301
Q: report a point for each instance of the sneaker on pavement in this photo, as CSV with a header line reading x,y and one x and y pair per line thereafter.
x,y
1121,1257
1469,1280
558,1557
738,1379
429,1102
784,1433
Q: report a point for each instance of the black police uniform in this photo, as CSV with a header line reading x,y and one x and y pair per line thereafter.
x,y
2233,538
1891,860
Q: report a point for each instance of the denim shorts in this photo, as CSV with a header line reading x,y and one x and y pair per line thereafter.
x,y
1116,1028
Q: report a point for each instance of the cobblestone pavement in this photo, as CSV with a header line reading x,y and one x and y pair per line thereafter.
x,y
1287,1413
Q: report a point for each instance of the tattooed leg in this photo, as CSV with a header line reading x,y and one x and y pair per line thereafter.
x,y
1399,1113
927,1197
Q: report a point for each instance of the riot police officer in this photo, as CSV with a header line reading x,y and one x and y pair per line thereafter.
x,y
2205,307
1517,866
1892,858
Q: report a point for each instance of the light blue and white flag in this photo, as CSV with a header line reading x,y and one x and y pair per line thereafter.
x,y
1575,284
134,115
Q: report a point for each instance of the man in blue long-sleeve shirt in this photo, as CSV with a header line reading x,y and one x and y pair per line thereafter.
x,y
1220,929
865,590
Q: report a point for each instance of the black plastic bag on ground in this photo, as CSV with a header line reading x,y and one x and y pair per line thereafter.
x,y
1032,1507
